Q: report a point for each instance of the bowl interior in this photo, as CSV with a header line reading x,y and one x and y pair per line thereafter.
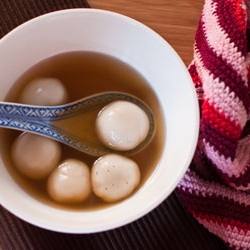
x,y
153,57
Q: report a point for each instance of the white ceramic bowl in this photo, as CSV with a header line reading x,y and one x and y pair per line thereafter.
x,y
152,56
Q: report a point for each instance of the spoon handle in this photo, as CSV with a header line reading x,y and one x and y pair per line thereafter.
x,y
26,118
36,120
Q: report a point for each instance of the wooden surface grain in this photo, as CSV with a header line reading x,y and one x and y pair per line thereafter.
x,y
175,20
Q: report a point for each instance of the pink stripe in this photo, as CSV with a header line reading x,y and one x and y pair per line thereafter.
x,y
193,184
235,168
226,165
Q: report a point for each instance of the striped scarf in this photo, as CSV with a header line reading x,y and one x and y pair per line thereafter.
x,y
216,188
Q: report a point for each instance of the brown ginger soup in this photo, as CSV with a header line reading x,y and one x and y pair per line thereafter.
x,y
84,74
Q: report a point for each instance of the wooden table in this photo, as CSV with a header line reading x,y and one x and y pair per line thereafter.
x,y
175,20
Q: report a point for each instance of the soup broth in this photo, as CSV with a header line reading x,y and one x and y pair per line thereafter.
x,y
84,74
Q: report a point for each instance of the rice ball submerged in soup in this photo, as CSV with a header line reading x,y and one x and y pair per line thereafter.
x,y
83,74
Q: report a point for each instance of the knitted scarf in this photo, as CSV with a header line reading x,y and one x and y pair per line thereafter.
x,y
216,188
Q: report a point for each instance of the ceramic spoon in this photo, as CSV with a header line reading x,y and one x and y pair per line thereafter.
x,y
47,120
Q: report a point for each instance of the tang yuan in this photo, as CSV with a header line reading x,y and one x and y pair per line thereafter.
x,y
35,156
122,125
44,91
114,177
70,182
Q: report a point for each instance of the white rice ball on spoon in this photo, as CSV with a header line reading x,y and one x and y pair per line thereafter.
x,y
122,125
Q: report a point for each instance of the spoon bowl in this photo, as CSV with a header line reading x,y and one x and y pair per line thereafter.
x,y
64,122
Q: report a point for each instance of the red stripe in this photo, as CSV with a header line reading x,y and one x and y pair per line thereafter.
x,y
220,122
239,181
218,131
